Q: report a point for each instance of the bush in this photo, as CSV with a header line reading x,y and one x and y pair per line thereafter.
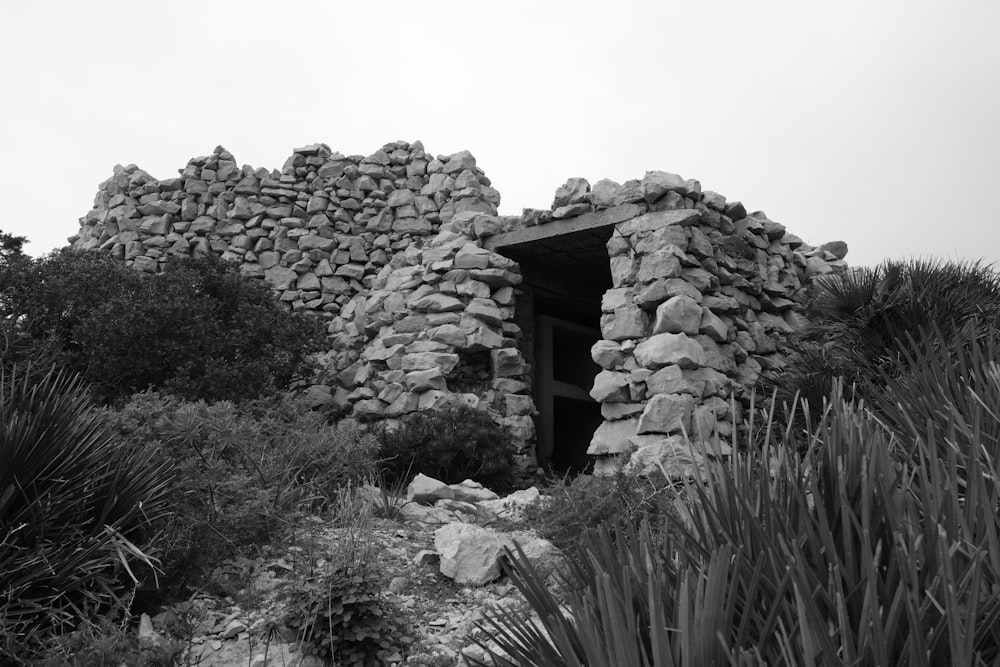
x,y
452,446
245,471
575,506
340,613
76,506
200,329
343,617
861,322
865,550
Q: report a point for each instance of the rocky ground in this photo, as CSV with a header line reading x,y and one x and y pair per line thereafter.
x,y
431,535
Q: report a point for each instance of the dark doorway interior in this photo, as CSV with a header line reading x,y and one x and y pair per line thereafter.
x,y
565,278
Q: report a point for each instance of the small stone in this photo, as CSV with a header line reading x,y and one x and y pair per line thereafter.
x,y
426,557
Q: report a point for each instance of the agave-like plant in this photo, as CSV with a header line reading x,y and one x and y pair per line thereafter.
x,y
75,506
864,550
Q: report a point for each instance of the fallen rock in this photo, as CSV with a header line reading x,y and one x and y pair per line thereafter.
x,y
426,490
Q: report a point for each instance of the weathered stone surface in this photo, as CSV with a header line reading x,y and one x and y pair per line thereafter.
x,y
607,354
667,413
672,455
625,322
470,555
610,387
678,314
667,348
655,184
574,191
431,378
425,490
675,380
612,437
437,303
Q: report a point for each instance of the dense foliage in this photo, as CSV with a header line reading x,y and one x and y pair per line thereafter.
x,y
343,616
861,323
75,506
199,330
878,545
244,473
452,446
575,506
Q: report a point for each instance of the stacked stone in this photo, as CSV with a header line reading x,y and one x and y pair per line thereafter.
x,y
704,295
318,231
439,332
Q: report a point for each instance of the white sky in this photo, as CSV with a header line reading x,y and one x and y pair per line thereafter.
x,y
875,122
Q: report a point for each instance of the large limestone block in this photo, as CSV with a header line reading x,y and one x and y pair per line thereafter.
x,y
651,221
678,314
507,362
659,264
469,554
512,506
280,277
573,191
713,326
610,387
426,490
486,311
437,303
655,184
675,380
667,348
607,354
604,193
612,437
420,381
667,413
673,456
471,491
418,361
625,323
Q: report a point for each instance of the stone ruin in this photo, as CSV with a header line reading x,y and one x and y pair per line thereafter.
x,y
622,317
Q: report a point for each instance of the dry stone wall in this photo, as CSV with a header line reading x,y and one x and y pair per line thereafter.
x,y
704,297
388,249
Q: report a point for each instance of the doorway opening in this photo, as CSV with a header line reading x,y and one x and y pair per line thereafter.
x,y
566,271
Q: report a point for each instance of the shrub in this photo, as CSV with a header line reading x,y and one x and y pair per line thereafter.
x,y
76,506
245,472
575,506
343,617
864,551
450,445
861,322
340,613
200,329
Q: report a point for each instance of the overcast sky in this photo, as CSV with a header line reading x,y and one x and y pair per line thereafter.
x,y
875,122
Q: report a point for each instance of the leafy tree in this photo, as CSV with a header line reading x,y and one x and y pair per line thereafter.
x,y
200,330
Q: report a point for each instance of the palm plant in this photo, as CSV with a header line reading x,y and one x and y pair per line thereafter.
x,y
866,550
74,505
861,321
